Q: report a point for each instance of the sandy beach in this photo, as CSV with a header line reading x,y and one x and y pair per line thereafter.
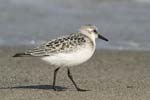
x,y
109,75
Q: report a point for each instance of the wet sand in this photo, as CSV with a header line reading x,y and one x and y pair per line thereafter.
x,y
109,75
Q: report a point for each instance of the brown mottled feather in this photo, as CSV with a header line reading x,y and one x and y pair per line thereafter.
x,y
63,44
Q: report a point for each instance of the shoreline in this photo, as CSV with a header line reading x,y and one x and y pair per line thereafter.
x,y
109,74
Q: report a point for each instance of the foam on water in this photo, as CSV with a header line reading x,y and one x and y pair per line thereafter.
x,y
143,1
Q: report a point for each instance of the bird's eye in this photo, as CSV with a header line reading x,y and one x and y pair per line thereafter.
x,y
95,31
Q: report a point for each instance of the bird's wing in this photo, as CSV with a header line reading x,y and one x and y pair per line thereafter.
x,y
63,44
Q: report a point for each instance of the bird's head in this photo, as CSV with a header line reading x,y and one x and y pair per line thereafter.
x,y
92,32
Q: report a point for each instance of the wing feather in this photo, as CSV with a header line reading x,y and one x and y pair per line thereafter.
x,y
63,44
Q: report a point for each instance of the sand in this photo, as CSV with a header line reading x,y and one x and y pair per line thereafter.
x,y
109,75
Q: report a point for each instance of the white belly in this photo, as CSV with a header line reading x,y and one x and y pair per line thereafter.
x,y
70,59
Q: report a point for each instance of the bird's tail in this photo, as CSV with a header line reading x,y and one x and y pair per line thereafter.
x,y
21,55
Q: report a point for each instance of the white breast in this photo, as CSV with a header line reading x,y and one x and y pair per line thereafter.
x,y
70,59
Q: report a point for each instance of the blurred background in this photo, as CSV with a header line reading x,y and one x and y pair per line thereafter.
x,y
126,23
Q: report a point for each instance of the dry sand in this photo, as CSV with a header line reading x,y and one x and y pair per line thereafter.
x,y
109,75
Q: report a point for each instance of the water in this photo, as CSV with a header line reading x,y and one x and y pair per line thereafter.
x,y
125,23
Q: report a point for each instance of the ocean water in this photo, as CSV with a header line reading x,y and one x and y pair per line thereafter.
x,y
126,23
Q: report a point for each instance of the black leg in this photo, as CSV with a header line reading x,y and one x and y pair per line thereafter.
x,y
54,79
71,78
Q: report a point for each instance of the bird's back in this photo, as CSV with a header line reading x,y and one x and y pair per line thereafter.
x,y
64,44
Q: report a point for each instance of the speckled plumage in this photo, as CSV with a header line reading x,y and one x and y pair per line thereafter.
x,y
65,44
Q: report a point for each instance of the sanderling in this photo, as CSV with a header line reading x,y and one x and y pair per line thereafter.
x,y
66,51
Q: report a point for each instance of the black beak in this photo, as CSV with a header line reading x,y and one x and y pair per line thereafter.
x,y
102,37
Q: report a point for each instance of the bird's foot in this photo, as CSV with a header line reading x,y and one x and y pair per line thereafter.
x,y
82,90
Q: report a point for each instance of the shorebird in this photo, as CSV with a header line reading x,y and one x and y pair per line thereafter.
x,y
66,51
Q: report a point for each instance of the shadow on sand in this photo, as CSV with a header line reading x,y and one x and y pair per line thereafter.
x,y
44,87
